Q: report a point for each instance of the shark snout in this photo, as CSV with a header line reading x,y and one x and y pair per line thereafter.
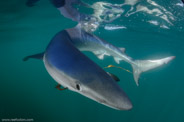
x,y
124,105
110,95
121,102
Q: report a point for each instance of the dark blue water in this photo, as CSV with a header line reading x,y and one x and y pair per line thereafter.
x,y
27,90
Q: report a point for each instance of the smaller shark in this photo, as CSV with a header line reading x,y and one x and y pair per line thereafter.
x,y
75,71
85,41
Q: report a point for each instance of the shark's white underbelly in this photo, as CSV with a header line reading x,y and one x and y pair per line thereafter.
x,y
59,76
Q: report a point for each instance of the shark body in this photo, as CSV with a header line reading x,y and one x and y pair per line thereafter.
x,y
75,71
70,68
85,41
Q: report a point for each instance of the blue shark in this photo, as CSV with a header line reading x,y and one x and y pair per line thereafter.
x,y
75,71
85,41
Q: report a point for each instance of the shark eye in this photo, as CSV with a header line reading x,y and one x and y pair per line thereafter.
x,y
78,87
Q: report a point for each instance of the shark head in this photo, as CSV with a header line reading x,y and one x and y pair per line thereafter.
x,y
104,91
99,87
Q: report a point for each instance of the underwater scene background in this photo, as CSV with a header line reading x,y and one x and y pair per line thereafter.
x,y
148,29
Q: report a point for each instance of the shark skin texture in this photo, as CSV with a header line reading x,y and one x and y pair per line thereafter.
x,y
75,71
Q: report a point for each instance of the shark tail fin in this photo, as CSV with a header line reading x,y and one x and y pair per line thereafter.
x,y
140,66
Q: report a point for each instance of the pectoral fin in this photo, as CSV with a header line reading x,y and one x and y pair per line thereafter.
x,y
113,77
100,54
122,49
59,87
117,60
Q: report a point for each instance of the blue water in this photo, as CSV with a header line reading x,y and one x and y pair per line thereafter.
x,y
27,90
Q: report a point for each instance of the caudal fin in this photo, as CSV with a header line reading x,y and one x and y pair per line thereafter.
x,y
144,65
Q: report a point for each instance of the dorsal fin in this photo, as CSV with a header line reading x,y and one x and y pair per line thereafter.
x,y
36,56
99,54
122,49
